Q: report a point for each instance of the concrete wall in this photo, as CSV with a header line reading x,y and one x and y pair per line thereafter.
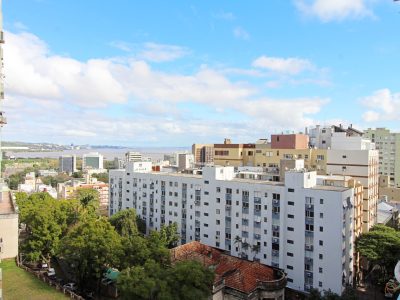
x,y
9,235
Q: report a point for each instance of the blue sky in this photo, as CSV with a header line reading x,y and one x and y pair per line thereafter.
x,y
171,73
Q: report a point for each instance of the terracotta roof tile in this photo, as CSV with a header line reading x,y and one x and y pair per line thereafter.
x,y
239,274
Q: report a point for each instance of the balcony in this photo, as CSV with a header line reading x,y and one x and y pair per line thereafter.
x,y
275,227
309,247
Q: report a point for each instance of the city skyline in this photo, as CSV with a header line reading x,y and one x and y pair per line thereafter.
x,y
128,74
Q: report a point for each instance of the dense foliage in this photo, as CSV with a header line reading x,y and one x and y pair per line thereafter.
x,y
73,231
381,246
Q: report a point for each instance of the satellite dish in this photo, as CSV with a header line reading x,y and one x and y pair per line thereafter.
x,y
397,271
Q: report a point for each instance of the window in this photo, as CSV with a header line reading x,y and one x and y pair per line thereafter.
x,y
206,214
321,215
319,283
265,244
321,201
320,270
290,190
290,229
206,203
290,216
276,196
265,219
265,207
321,256
289,279
218,211
205,225
289,267
206,182
290,203
309,214
218,189
289,254
321,229
321,243
309,227
290,241
205,235
218,200
218,222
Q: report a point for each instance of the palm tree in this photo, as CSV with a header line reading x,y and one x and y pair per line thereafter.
x,y
245,246
238,241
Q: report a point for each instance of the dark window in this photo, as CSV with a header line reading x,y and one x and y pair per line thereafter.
x,y
290,190
290,203
290,216
290,229
289,267
290,241
289,254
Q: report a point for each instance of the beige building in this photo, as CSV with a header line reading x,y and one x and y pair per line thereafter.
x,y
388,144
8,225
391,193
356,157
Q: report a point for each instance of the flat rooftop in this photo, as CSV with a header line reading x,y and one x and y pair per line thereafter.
x,y
6,206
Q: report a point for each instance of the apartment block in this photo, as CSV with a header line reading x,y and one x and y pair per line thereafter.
x,y
299,225
388,145
289,141
133,156
356,157
203,154
67,164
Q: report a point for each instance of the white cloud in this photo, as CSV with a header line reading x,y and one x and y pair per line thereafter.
x,y
160,52
329,10
240,33
51,97
383,105
291,65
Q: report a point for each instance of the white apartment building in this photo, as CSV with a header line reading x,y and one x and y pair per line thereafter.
x,y
133,156
93,161
321,136
297,225
356,157
388,144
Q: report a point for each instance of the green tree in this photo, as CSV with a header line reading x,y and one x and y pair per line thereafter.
x,y
168,235
381,246
46,220
89,198
90,246
148,282
157,247
190,280
125,222
103,177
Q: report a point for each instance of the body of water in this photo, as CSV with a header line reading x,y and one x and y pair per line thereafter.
x,y
109,154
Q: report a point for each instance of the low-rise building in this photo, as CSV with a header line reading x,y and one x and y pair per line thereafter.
x,y
8,224
235,278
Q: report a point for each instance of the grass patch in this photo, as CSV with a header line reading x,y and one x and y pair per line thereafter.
x,y
19,284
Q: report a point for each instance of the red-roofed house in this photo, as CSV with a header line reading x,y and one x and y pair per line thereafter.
x,y
235,278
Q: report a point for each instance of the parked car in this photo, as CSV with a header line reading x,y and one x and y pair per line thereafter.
x,y
70,286
51,272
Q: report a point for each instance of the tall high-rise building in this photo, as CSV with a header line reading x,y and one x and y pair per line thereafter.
x,y
388,145
356,156
92,160
67,164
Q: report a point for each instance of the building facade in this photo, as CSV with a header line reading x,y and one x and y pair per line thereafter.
x,y
297,225
356,157
67,164
92,161
388,145
8,226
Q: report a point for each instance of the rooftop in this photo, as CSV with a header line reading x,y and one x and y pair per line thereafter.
x,y
239,274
